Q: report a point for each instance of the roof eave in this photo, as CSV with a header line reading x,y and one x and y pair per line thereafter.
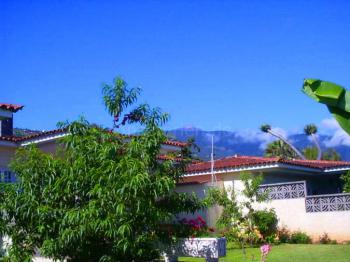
x,y
42,139
5,143
270,166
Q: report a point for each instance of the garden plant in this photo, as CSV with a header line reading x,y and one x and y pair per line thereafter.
x,y
103,196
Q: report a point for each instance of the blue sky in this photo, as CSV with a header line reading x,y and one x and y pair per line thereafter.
x,y
229,65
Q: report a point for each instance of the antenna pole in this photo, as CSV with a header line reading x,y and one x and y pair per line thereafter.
x,y
213,178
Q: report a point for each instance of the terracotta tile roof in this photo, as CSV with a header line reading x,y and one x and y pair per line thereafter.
x,y
192,180
247,161
57,131
175,143
10,107
167,142
319,164
32,136
167,157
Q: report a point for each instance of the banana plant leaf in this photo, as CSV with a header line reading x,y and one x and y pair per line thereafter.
x,y
335,97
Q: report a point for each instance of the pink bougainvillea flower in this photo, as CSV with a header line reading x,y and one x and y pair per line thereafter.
x,y
200,219
265,249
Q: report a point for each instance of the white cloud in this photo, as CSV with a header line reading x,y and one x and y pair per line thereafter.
x,y
249,135
209,136
338,136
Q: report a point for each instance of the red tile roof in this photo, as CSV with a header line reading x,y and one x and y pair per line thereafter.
x,y
247,161
33,136
167,142
192,180
250,161
57,131
10,107
175,143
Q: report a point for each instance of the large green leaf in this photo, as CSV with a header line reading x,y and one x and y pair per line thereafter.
x,y
342,117
344,102
336,97
309,88
329,90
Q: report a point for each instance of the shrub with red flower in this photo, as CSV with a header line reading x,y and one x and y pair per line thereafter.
x,y
197,227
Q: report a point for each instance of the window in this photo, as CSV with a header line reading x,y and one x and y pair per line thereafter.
x,y
7,176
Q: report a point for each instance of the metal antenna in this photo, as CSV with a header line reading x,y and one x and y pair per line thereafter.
x,y
213,177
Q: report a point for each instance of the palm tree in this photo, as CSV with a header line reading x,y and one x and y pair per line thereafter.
x,y
267,129
311,130
280,149
310,152
331,154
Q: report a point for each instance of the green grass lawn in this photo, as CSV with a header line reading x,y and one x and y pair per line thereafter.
x,y
288,253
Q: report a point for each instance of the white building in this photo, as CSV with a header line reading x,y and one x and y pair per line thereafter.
x,y
306,194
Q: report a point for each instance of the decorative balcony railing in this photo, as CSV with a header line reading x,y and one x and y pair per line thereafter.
x,y
284,190
325,203
7,176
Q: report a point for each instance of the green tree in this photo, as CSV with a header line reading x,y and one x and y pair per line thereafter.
x,y
336,98
310,152
311,130
279,149
239,216
331,154
346,179
283,148
267,129
102,197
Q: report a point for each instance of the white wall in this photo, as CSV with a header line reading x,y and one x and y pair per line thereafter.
x,y
292,214
209,215
6,154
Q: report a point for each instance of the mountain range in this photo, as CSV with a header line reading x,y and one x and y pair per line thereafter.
x,y
228,143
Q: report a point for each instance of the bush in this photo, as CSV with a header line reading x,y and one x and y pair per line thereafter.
x,y
300,238
266,222
272,240
325,239
283,235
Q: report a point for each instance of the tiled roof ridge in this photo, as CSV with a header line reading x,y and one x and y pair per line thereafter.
x,y
251,161
62,130
36,135
167,142
11,107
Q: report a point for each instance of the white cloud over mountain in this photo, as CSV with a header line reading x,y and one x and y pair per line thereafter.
x,y
337,135
249,135
328,126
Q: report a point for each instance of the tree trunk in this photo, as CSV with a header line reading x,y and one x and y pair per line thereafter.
x,y
288,143
319,151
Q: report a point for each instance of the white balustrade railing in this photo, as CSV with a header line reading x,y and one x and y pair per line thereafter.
x,y
284,190
209,248
326,203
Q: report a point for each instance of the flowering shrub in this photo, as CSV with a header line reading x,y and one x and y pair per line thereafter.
x,y
325,239
300,238
197,227
240,232
266,222
265,249
284,235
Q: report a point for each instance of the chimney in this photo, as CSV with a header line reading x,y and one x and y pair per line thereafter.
x,y
6,127
6,118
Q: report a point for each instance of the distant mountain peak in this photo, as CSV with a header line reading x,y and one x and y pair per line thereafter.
x,y
229,143
190,128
